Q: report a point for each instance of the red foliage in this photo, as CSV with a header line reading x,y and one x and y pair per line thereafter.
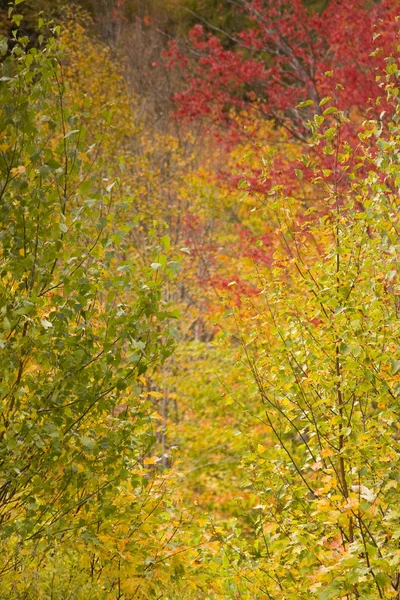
x,y
258,248
286,56
238,289
282,60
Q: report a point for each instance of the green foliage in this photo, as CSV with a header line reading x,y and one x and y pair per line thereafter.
x,y
82,318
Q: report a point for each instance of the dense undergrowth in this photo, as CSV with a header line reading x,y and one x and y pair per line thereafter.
x,y
199,307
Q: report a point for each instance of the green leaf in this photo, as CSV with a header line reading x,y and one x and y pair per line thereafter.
x,y
71,132
3,45
174,266
330,111
305,103
395,366
325,100
166,242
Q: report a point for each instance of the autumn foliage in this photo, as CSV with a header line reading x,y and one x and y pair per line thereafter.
x,y
199,300
283,58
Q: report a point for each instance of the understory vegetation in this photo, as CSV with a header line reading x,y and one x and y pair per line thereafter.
x,y
199,300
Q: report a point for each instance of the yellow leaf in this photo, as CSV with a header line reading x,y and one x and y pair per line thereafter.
x,y
155,394
316,466
18,170
156,415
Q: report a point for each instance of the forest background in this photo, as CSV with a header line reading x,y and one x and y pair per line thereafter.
x,y
199,299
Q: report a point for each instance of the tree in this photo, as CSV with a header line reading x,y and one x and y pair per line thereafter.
x,y
321,346
82,320
281,59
